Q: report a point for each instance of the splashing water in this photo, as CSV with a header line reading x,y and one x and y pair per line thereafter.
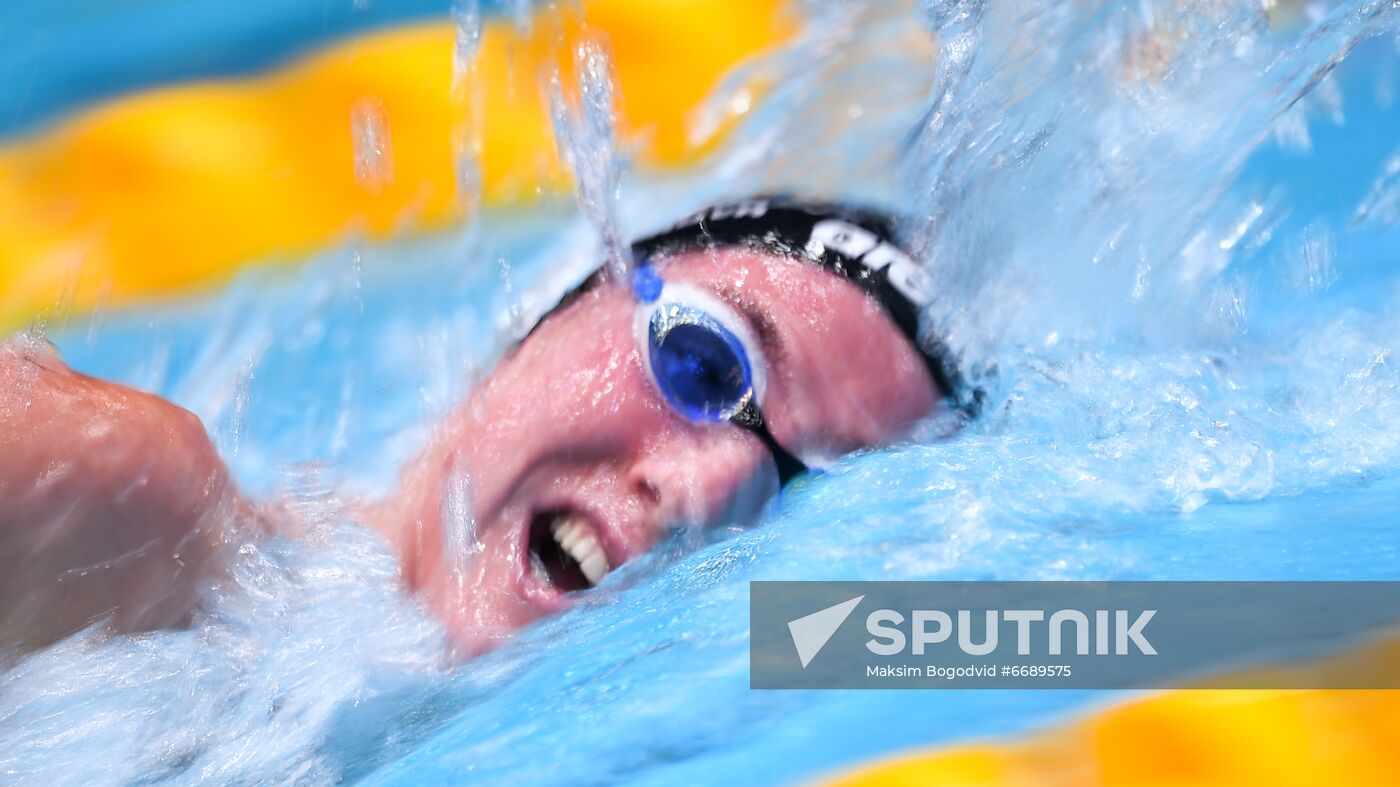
x,y
1185,330
1382,203
1110,136
467,20
521,14
585,135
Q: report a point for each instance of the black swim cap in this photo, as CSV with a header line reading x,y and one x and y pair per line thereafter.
x,y
857,244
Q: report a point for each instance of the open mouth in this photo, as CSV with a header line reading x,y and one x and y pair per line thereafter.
x,y
566,552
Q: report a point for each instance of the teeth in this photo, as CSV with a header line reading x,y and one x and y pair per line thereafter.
x,y
577,538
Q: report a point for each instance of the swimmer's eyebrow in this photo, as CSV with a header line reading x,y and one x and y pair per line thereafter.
x,y
768,337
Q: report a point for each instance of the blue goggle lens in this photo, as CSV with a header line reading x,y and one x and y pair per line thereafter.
x,y
699,365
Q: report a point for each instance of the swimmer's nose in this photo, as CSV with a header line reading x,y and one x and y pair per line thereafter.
x,y
720,477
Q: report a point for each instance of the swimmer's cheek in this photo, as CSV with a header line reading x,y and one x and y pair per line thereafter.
x,y
113,504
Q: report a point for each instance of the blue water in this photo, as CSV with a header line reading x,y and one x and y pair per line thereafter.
x,y
1171,262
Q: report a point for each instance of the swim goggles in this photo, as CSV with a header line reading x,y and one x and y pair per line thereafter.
x,y
855,243
700,354
703,359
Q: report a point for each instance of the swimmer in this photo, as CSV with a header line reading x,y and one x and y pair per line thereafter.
x,y
757,339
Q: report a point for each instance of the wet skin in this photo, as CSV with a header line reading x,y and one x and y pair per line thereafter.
x,y
568,430
112,502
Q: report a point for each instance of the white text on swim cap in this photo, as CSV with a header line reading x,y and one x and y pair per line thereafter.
x,y
858,243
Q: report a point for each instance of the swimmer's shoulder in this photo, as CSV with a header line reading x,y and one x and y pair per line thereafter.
x,y
113,502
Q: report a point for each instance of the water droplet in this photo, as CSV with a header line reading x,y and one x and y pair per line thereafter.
x,y
374,157
1381,205
468,175
1314,258
458,524
238,414
522,15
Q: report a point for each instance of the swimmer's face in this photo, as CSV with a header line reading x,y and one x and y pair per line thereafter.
x,y
577,464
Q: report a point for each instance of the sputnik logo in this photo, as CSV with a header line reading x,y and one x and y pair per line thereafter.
x,y
810,633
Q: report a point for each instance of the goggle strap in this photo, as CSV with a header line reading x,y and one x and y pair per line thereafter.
x,y
789,466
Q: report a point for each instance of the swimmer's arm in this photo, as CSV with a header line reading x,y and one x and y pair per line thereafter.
x,y
113,503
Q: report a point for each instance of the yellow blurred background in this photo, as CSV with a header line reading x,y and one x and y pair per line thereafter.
x,y
163,191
